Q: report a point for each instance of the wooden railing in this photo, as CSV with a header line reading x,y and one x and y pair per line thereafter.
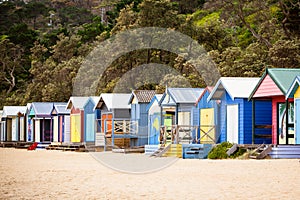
x,y
187,134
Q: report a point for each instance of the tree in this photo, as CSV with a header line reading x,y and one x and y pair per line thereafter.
x,y
10,63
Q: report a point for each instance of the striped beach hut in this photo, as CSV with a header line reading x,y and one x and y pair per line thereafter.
x,y
76,105
115,124
40,125
154,112
205,115
139,101
61,123
273,86
13,122
235,109
294,92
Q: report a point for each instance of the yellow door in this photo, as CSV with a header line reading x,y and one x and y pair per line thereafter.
x,y
207,129
75,128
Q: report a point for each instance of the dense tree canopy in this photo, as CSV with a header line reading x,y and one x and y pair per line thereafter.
x,y
43,43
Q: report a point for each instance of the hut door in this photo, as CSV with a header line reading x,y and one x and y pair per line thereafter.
x,y
207,129
90,128
233,123
14,129
283,124
55,129
8,129
67,127
75,128
154,129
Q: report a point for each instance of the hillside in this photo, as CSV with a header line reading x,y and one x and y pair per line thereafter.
x,y
44,42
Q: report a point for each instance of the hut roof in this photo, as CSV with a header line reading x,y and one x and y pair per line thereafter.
x,y
181,95
282,77
157,98
293,88
114,101
236,87
142,96
77,102
13,110
61,108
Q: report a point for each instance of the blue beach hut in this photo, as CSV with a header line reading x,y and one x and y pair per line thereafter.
x,y
235,109
139,101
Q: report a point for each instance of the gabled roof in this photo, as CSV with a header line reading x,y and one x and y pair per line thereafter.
x,y
156,98
142,96
61,108
13,110
207,89
295,84
236,87
180,95
282,77
94,99
41,108
113,101
77,102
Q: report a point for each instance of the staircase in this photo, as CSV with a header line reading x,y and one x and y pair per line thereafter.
x,y
175,150
261,151
195,151
285,152
161,150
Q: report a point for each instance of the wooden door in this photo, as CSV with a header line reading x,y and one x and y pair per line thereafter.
x,y
8,129
106,123
55,129
233,123
297,121
75,128
90,128
67,128
14,129
207,129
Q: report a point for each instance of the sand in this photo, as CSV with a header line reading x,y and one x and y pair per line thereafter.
x,y
46,174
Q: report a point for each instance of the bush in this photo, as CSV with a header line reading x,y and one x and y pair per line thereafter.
x,y
219,151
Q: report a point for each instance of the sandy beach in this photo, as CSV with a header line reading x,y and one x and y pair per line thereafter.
x,y
45,174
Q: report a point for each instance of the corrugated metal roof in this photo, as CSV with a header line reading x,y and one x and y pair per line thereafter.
x,y
282,77
185,95
77,102
13,110
181,95
236,87
115,100
293,88
143,96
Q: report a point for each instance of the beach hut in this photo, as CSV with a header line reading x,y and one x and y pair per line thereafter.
x,y
13,122
273,86
294,92
76,105
154,110
90,115
139,101
115,124
235,109
205,116
61,123
41,122
177,106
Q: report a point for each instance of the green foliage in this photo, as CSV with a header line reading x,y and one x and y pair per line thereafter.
x,y
219,151
43,43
